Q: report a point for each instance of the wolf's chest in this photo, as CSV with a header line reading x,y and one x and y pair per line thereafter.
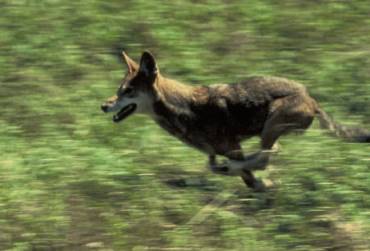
x,y
185,130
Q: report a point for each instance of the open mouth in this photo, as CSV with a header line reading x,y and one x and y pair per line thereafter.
x,y
124,113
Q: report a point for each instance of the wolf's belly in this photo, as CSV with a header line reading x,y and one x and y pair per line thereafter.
x,y
210,138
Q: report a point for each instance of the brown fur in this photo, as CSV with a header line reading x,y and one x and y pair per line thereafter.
x,y
217,118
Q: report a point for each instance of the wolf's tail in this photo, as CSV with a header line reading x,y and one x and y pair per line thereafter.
x,y
351,134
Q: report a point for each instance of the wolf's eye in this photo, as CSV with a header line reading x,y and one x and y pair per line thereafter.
x,y
129,91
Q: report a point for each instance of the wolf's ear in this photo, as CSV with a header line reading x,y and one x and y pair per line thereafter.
x,y
132,66
148,66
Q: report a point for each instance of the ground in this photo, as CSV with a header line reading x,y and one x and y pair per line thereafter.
x,y
70,179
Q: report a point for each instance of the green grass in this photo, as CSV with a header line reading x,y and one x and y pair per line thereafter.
x,y
72,180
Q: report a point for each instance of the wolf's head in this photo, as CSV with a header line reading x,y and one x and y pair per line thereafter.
x,y
135,93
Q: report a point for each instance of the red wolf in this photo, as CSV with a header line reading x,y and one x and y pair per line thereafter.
x,y
216,118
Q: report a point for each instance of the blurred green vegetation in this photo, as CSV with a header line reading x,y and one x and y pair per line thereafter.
x,y
72,180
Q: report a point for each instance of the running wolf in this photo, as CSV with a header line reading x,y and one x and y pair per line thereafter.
x,y
215,119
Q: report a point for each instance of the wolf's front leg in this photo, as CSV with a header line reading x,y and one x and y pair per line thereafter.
x,y
223,168
237,163
217,168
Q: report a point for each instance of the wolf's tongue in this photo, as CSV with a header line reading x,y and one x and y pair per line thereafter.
x,y
124,112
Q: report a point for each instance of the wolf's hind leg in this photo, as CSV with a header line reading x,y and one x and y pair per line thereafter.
x,y
292,114
282,121
260,159
252,162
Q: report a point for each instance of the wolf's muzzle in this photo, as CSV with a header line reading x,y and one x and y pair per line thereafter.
x,y
104,108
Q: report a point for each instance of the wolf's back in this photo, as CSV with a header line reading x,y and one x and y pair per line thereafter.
x,y
259,90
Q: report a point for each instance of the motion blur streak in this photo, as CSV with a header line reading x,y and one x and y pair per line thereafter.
x,y
71,181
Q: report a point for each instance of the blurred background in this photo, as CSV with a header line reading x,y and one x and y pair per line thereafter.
x,y
70,179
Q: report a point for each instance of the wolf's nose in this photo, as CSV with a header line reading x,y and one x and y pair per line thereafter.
x,y
104,108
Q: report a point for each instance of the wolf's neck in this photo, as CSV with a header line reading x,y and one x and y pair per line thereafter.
x,y
175,96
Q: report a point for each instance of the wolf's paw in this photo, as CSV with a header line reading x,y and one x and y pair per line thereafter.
x,y
220,168
225,168
228,167
259,186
